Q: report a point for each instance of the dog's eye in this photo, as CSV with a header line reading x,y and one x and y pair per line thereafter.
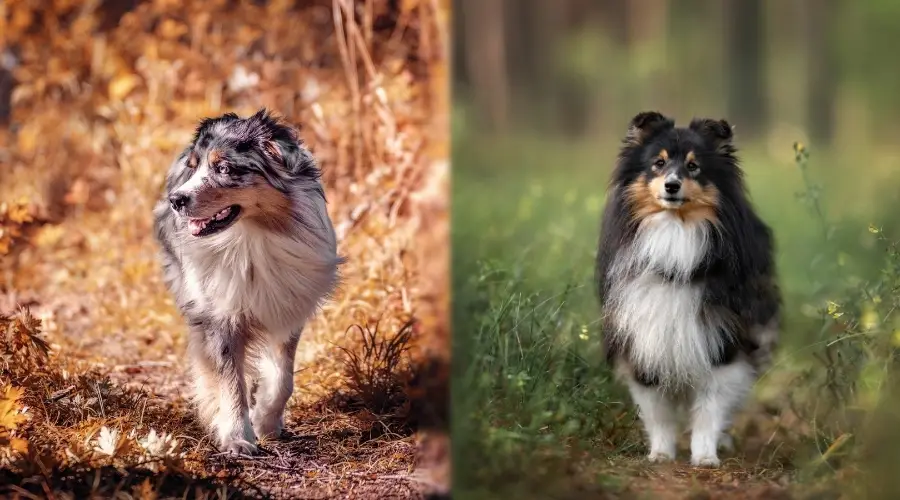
x,y
223,169
659,163
692,167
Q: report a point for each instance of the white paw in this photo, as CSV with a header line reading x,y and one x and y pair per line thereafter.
x,y
269,425
660,456
238,447
705,461
235,434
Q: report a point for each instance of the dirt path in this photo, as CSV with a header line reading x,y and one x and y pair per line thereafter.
x,y
758,469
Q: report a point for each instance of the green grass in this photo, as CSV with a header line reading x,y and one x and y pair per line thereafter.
x,y
535,409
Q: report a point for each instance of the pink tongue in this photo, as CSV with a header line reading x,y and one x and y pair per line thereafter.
x,y
196,225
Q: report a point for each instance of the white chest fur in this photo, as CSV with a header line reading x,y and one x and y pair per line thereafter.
x,y
660,319
276,279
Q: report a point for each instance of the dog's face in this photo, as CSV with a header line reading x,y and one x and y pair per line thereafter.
x,y
238,168
677,169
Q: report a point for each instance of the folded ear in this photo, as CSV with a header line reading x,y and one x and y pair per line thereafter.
x,y
293,156
717,132
646,124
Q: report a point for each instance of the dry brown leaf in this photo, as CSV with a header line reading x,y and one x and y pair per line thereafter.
x,y
122,85
27,139
10,417
79,193
171,29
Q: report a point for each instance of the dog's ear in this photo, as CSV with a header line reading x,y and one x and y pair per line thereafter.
x,y
296,159
282,145
717,132
645,125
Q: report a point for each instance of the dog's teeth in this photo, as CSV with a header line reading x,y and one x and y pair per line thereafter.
x,y
222,213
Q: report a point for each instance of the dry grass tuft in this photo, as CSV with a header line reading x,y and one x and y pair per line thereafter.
x,y
377,370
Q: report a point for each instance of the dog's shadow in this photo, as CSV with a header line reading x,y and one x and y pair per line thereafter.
x,y
292,442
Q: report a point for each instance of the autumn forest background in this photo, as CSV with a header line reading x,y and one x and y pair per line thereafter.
x,y
543,93
96,99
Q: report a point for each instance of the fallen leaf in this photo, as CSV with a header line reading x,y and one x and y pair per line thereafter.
x,y
122,85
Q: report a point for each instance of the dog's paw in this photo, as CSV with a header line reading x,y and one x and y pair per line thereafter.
x,y
658,457
705,461
236,436
269,426
239,447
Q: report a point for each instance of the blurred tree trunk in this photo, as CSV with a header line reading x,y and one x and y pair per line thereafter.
x,y
8,62
615,17
821,70
570,97
526,40
6,87
460,75
484,34
647,21
746,89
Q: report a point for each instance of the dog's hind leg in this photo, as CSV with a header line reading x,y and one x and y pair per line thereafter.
x,y
275,383
218,351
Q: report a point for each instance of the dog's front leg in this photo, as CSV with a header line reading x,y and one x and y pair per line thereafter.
x,y
276,383
714,404
218,349
657,412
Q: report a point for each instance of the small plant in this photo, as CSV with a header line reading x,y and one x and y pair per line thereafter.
x,y
377,369
21,346
855,349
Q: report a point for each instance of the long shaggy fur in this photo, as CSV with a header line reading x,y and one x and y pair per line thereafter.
x,y
249,252
686,280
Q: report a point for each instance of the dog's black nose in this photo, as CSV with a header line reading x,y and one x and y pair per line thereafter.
x,y
178,200
672,187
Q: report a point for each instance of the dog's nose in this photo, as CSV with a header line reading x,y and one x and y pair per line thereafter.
x,y
672,187
178,200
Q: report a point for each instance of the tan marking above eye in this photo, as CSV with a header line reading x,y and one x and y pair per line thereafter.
x,y
660,160
214,156
690,161
192,160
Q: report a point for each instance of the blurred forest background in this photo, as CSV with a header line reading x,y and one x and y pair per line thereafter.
x,y
543,93
97,97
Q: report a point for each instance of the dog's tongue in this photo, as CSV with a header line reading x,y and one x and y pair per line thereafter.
x,y
197,225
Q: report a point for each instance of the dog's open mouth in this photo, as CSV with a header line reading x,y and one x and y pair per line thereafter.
x,y
216,223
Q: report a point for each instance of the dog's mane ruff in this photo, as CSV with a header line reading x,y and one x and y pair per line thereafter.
x,y
282,276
